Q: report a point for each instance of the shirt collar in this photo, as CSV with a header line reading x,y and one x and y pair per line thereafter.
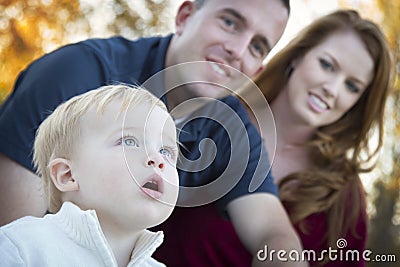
x,y
84,228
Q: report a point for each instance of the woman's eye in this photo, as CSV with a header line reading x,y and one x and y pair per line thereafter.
x,y
352,87
129,141
326,65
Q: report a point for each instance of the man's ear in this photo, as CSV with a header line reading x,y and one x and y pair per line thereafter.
x,y
186,9
61,174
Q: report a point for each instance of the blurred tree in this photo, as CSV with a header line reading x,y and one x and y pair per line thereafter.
x,y
384,226
30,28
384,230
384,237
27,28
136,18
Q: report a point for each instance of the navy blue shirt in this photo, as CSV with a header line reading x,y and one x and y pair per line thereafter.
x,y
221,150
69,71
77,68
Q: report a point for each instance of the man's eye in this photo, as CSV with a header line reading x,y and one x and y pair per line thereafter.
x,y
229,24
258,50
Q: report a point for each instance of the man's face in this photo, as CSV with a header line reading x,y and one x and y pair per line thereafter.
x,y
226,35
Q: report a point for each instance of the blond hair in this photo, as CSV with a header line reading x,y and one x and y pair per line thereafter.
x,y
57,134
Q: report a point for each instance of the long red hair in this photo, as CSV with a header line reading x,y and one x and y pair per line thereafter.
x,y
338,147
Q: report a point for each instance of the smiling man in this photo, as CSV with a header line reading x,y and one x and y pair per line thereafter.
x,y
236,34
221,41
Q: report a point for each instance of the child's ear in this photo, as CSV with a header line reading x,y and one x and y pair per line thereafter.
x,y
61,174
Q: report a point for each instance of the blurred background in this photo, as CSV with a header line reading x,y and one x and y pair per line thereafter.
x,y
31,28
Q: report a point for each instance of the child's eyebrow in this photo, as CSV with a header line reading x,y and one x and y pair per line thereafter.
x,y
131,128
170,139
123,130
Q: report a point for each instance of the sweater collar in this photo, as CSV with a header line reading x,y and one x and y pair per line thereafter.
x,y
84,228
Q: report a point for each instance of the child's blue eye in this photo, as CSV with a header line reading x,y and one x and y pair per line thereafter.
x,y
129,141
165,152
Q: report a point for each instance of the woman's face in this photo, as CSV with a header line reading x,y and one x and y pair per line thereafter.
x,y
329,79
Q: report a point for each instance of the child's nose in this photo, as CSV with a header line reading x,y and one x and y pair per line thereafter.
x,y
156,161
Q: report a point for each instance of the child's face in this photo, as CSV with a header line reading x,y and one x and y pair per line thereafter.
x,y
126,168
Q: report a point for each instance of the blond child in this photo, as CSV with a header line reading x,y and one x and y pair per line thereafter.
x,y
107,159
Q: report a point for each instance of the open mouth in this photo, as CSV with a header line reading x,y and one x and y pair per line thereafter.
x,y
153,186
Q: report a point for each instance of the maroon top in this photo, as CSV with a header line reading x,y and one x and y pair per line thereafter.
x,y
199,237
314,240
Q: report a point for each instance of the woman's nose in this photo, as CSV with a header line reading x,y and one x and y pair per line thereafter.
x,y
332,88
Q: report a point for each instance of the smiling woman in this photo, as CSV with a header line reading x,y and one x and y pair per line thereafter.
x,y
327,81
327,90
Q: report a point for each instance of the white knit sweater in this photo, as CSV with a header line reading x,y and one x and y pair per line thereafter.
x,y
71,237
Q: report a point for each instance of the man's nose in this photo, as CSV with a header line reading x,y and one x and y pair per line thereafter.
x,y
237,47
